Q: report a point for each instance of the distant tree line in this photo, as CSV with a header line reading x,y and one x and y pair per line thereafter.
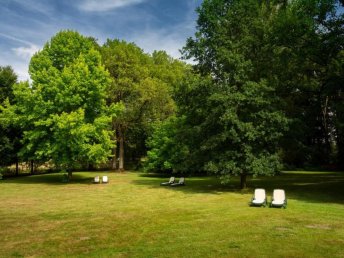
x,y
266,90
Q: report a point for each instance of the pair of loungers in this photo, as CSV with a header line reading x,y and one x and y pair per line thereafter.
x,y
104,180
278,198
172,182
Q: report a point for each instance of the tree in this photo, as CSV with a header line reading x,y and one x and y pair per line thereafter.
x,y
143,84
237,113
7,79
9,135
64,113
167,149
306,66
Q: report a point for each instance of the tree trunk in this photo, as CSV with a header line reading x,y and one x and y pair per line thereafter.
x,y
114,158
243,178
17,168
121,151
31,167
70,174
113,164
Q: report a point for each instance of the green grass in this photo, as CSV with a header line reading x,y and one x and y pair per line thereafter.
x,y
133,216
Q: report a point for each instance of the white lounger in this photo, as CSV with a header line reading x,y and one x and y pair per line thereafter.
x,y
278,199
180,183
105,180
96,180
171,181
259,197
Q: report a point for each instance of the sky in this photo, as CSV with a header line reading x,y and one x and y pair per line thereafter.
x,y
26,25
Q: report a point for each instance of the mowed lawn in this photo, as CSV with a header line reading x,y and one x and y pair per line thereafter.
x,y
133,216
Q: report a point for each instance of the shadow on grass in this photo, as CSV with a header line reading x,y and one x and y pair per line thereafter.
x,y
311,187
49,179
204,184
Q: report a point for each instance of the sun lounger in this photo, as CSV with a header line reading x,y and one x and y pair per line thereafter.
x,y
180,183
278,199
171,181
259,197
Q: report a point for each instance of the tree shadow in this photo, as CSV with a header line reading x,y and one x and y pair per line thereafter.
x,y
312,187
199,184
49,179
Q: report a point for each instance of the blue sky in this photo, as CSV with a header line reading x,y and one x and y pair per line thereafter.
x,y
26,25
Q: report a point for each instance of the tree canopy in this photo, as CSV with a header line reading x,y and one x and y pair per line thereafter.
x,y
266,89
9,134
143,84
269,73
63,112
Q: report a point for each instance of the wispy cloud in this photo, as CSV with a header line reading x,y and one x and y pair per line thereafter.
x,y
105,5
15,39
26,52
22,51
38,6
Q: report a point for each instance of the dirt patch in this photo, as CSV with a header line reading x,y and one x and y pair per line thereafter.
x,y
283,229
319,226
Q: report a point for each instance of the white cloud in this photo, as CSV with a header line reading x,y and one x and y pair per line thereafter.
x,y
26,52
21,57
159,40
105,5
19,65
22,70
171,39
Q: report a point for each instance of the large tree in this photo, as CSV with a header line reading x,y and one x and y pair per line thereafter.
x,y
143,84
9,134
237,113
307,39
63,112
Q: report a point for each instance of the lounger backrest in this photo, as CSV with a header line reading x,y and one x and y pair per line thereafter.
x,y
278,195
259,194
172,179
96,179
105,179
181,180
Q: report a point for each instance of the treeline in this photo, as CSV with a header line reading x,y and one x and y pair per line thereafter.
x,y
87,105
266,90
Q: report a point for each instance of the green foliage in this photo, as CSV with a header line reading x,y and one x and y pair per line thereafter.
x,y
302,64
167,152
64,113
7,79
9,134
143,83
237,114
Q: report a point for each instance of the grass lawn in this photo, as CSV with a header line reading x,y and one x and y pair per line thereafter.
x,y
133,216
